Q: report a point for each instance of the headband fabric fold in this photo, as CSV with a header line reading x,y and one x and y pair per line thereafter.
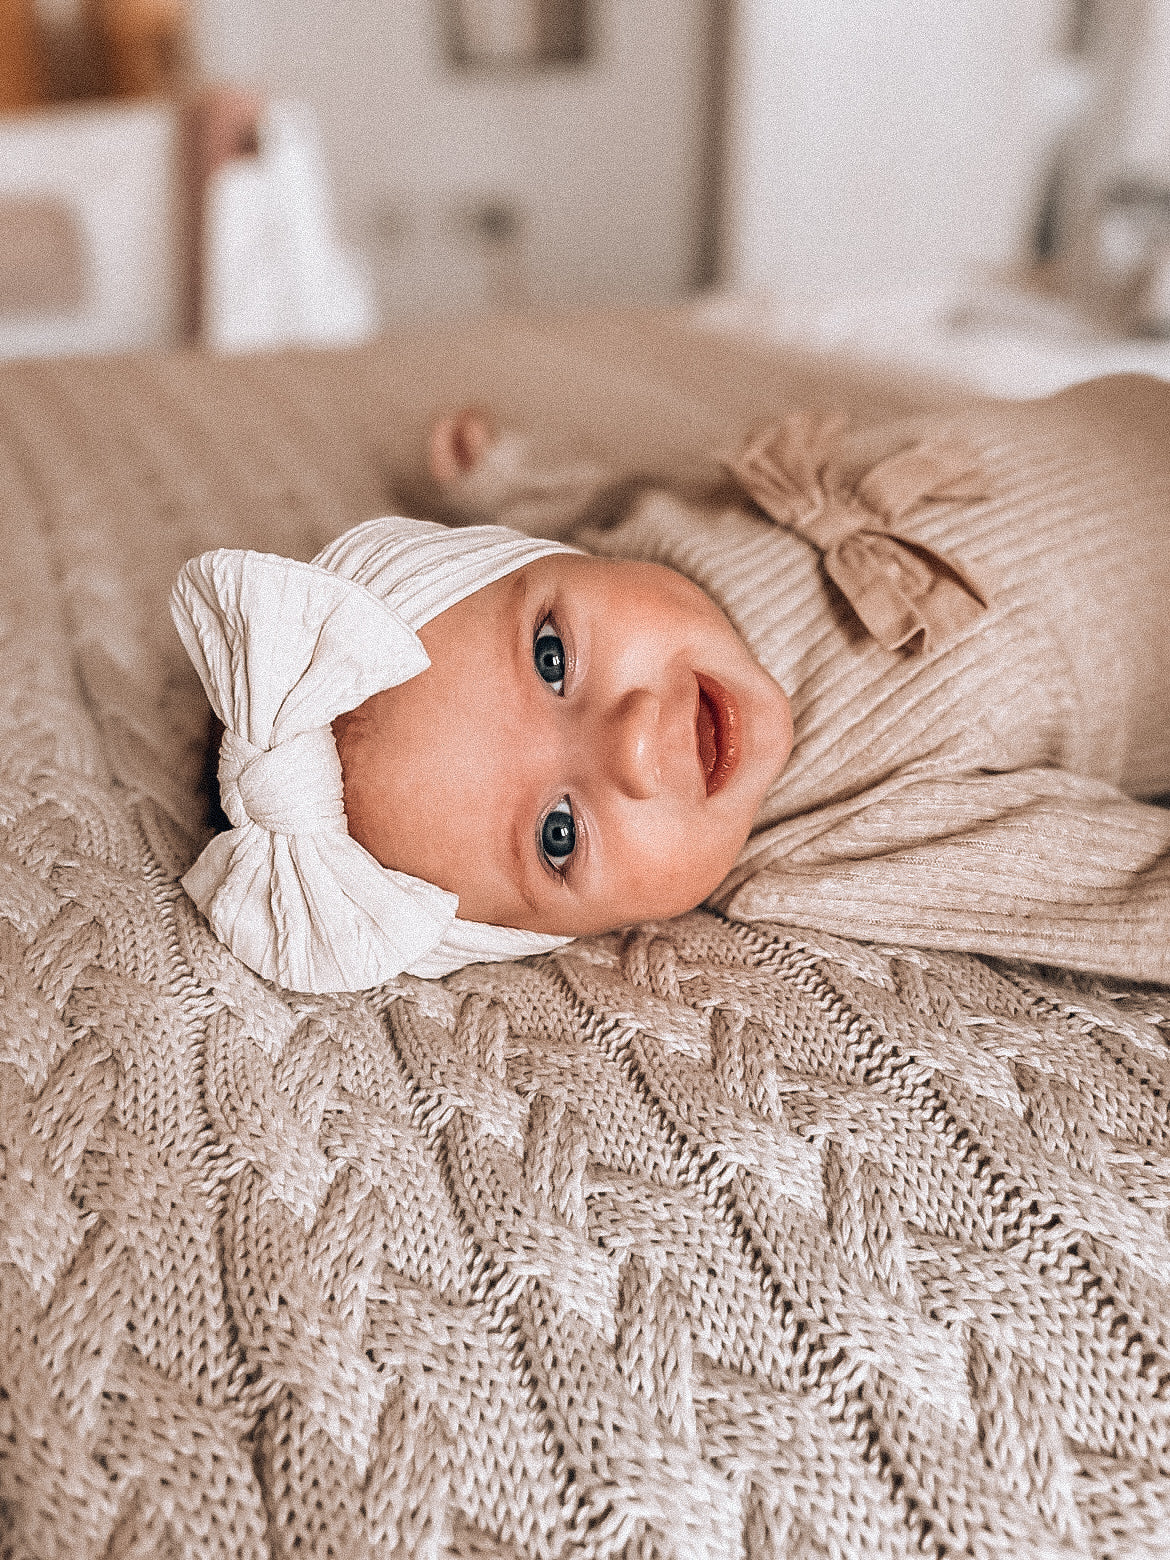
x,y
282,648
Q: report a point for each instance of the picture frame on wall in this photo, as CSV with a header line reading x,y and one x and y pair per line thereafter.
x,y
516,34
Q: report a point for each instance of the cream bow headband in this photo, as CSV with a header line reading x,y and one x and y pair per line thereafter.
x,y
282,648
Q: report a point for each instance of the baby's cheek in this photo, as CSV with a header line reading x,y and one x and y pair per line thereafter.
x,y
673,868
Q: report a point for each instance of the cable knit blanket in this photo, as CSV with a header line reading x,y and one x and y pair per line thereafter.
x,y
702,1241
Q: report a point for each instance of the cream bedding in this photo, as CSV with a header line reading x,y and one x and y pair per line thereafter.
x,y
703,1241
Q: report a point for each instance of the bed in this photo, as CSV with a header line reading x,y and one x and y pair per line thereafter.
x,y
696,1241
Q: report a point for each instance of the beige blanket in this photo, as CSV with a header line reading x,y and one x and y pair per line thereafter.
x,y
705,1241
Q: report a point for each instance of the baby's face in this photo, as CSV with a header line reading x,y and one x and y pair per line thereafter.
x,y
588,747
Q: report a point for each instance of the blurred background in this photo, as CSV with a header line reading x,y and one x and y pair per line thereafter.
x,y
980,189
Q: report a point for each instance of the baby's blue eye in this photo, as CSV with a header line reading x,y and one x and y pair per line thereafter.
x,y
558,833
549,654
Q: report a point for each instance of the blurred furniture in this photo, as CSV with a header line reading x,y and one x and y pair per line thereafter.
x,y
21,67
158,223
107,176
517,34
42,256
91,48
1114,189
142,41
469,188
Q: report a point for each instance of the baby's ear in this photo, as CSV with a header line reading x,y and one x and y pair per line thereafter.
x,y
458,443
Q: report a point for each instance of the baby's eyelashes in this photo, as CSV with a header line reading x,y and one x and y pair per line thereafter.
x,y
558,834
548,653
558,831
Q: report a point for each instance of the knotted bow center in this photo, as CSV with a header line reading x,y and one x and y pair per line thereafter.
x,y
294,787
828,525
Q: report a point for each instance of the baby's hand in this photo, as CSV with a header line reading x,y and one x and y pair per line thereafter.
x,y
488,476
458,444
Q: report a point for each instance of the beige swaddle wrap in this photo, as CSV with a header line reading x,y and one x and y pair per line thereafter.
x,y
974,788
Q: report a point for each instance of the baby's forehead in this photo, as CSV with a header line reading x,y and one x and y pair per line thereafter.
x,y
611,577
591,601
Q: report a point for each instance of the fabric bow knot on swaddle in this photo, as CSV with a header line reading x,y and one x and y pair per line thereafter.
x,y
906,594
282,648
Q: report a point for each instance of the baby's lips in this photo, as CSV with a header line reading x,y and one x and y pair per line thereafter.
x,y
717,726
706,738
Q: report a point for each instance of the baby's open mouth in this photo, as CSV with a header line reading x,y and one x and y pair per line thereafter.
x,y
716,733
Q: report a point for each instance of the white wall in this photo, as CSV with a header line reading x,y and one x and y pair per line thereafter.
x,y
604,162
876,145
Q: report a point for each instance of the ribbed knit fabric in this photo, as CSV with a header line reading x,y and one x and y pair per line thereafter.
x,y
708,1241
971,798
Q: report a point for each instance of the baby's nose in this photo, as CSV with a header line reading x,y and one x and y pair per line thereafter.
x,y
634,744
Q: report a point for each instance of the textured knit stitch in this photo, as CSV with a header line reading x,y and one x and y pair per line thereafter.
x,y
706,1241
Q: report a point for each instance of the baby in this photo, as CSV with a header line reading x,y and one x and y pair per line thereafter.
x,y
426,720
967,612
588,747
